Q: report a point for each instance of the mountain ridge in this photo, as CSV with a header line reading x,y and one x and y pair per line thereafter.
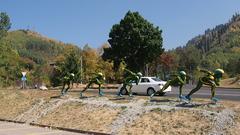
x,y
216,48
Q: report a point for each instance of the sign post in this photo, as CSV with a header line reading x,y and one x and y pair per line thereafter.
x,y
24,78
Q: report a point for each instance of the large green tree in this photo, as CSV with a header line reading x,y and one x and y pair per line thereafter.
x,y
135,41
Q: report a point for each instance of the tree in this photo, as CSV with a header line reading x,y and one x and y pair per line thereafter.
x,y
189,58
167,62
90,61
135,41
105,67
71,64
4,24
8,63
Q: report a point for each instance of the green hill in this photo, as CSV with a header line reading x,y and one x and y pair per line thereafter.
x,y
28,50
216,48
34,46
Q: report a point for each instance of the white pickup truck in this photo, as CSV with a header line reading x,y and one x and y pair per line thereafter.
x,y
146,86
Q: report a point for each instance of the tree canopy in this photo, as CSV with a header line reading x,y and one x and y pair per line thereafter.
x,y
71,64
4,24
135,41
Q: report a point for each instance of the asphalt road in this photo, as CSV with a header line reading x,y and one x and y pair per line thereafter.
x,y
204,92
7,128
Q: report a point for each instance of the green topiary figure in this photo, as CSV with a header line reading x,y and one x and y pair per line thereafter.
x,y
178,80
98,79
132,77
67,80
211,79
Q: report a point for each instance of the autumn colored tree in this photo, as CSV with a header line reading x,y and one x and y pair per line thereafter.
x,y
167,62
106,67
163,65
90,61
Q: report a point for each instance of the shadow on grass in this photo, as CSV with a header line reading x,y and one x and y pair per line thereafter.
x,y
59,96
85,97
161,100
121,98
188,105
116,99
192,105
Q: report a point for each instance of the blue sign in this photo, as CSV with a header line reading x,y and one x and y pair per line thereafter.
x,y
24,78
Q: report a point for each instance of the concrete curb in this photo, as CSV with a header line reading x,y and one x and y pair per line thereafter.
x,y
58,128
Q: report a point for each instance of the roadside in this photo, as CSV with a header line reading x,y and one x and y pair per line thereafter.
x,y
231,83
7,128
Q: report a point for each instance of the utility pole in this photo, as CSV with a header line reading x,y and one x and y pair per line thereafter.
x,y
81,69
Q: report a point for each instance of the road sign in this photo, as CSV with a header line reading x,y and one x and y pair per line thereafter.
x,y
24,78
24,73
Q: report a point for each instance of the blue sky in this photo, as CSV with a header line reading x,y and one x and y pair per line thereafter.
x,y
89,21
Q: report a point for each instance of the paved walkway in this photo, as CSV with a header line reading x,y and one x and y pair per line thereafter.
x,y
7,128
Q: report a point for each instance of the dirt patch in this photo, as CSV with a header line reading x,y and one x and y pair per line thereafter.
x,y
81,116
234,130
169,122
16,102
39,110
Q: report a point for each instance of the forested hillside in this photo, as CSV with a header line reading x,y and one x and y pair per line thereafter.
x,y
24,50
33,47
216,48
